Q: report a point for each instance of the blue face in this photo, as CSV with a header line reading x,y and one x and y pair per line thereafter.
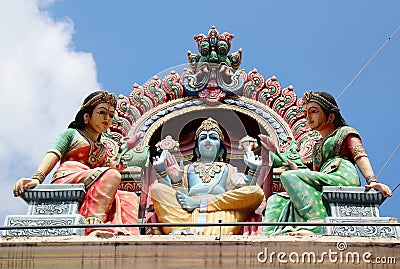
x,y
209,145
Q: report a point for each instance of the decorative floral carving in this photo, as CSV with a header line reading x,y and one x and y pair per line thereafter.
x,y
51,209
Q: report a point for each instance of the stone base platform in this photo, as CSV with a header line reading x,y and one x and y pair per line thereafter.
x,y
166,251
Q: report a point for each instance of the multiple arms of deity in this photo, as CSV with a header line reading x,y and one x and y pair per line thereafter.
x,y
169,171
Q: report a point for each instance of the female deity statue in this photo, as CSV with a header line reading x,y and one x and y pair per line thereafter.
x,y
82,156
334,158
206,185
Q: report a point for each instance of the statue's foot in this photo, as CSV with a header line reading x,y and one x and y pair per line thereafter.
x,y
104,233
187,203
101,233
300,233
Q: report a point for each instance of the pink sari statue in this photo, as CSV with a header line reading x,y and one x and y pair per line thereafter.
x,y
83,159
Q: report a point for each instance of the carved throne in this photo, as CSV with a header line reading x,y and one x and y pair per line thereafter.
x,y
176,101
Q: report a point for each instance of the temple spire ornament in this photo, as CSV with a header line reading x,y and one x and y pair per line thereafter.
x,y
214,74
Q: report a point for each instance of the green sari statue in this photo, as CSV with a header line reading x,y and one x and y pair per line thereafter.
x,y
334,158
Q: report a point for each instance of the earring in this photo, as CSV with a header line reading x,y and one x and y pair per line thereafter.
x,y
221,152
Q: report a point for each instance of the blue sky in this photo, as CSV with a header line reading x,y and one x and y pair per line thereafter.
x,y
54,53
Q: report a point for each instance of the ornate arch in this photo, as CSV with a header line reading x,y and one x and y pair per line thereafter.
x,y
276,109
211,84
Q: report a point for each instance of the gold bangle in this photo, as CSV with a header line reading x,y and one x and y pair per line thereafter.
x,y
371,179
177,184
39,175
253,173
162,174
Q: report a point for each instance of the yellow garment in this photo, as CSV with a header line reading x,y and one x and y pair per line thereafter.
x,y
231,206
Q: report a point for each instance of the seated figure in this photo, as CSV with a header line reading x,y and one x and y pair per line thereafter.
x,y
334,158
208,189
83,158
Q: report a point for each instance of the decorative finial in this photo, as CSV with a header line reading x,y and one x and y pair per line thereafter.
x,y
248,143
168,144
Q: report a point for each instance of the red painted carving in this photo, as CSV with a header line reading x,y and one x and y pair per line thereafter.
x,y
153,90
172,86
139,99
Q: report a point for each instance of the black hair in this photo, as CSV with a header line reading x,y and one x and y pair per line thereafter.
x,y
79,122
339,120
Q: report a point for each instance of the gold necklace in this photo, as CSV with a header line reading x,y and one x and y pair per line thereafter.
x,y
208,170
97,149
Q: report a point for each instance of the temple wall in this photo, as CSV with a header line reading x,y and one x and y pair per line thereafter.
x,y
200,252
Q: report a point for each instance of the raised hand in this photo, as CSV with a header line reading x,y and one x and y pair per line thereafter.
x,y
159,162
174,170
254,162
126,146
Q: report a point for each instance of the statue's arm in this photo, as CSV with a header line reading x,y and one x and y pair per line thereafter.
x,y
353,145
254,162
366,170
169,171
48,163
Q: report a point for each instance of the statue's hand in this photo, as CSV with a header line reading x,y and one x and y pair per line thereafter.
x,y
23,184
290,165
119,167
254,162
174,170
384,189
128,144
159,162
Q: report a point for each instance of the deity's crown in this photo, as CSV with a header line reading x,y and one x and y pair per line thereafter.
x,y
209,125
318,98
103,97
213,37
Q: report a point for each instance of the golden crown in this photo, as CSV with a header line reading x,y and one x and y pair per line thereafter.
x,y
103,97
319,99
209,125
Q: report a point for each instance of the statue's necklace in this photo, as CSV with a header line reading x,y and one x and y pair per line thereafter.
x,y
208,170
97,149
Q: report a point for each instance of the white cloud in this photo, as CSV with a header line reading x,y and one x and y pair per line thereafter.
x,y
43,81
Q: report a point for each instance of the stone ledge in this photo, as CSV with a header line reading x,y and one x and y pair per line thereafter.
x,y
44,220
194,252
55,192
368,231
354,195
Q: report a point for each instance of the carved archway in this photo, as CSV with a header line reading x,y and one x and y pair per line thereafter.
x,y
174,101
